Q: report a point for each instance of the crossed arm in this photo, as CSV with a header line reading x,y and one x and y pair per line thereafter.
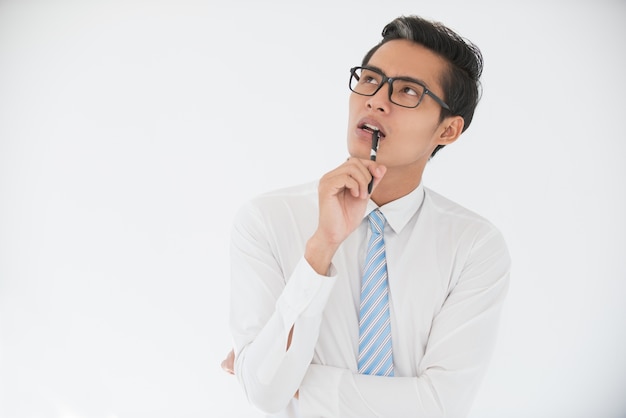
x,y
277,336
459,347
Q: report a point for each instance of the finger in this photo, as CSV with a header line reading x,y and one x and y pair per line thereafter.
x,y
360,173
228,364
345,182
340,180
357,165
352,175
377,172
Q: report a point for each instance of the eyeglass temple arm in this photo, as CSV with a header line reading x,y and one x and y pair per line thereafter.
x,y
437,99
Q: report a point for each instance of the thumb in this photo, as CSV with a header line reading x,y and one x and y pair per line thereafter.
x,y
378,173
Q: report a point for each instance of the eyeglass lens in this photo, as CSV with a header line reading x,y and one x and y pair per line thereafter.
x,y
404,93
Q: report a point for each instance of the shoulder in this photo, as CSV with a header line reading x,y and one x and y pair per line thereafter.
x,y
298,195
443,206
279,203
472,237
296,192
455,217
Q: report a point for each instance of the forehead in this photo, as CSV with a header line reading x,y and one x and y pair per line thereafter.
x,y
402,57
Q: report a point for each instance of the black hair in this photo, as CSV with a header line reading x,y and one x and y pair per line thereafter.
x,y
461,83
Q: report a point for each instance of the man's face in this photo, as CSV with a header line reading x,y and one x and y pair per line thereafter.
x,y
409,134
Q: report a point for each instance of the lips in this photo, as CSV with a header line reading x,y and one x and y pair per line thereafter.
x,y
370,126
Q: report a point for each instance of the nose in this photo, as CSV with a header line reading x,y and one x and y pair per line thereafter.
x,y
380,101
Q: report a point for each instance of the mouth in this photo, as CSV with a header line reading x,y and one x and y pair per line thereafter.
x,y
371,128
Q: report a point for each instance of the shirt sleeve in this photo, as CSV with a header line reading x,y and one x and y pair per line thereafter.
x,y
265,305
457,354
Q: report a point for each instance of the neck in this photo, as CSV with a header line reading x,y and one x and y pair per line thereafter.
x,y
395,185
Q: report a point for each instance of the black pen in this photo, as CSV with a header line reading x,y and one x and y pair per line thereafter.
x,y
375,136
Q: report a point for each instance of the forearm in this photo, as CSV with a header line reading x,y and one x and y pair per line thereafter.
x,y
443,381
330,391
269,371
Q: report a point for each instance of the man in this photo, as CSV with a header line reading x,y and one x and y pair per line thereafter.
x,y
302,265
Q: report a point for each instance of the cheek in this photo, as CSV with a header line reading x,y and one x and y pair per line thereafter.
x,y
422,127
354,104
414,141
354,112
413,134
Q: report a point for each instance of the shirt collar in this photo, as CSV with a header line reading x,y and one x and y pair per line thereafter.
x,y
399,211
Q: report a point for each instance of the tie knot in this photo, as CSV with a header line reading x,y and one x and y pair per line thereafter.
x,y
377,221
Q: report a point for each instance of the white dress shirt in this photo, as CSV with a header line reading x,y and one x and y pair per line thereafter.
x,y
448,275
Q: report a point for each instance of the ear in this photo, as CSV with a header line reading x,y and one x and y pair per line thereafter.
x,y
450,129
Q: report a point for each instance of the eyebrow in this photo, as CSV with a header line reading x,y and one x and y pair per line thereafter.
x,y
406,78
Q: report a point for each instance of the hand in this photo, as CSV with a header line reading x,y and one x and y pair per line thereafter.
x,y
343,198
228,364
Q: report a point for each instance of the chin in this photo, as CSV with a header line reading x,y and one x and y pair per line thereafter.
x,y
357,148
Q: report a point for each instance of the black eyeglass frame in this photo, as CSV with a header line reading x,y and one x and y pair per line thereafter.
x,y
390,80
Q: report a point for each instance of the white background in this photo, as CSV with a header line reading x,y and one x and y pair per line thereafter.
x,y
130,132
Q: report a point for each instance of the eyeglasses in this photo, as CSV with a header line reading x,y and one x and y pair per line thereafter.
x,y
403,91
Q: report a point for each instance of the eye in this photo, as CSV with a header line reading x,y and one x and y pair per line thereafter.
x,y
370,80
410,90
369,77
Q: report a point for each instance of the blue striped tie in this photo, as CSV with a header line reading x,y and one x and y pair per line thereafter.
x,y
374,324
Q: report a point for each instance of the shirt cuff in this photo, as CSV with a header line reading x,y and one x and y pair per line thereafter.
x,y
305,294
